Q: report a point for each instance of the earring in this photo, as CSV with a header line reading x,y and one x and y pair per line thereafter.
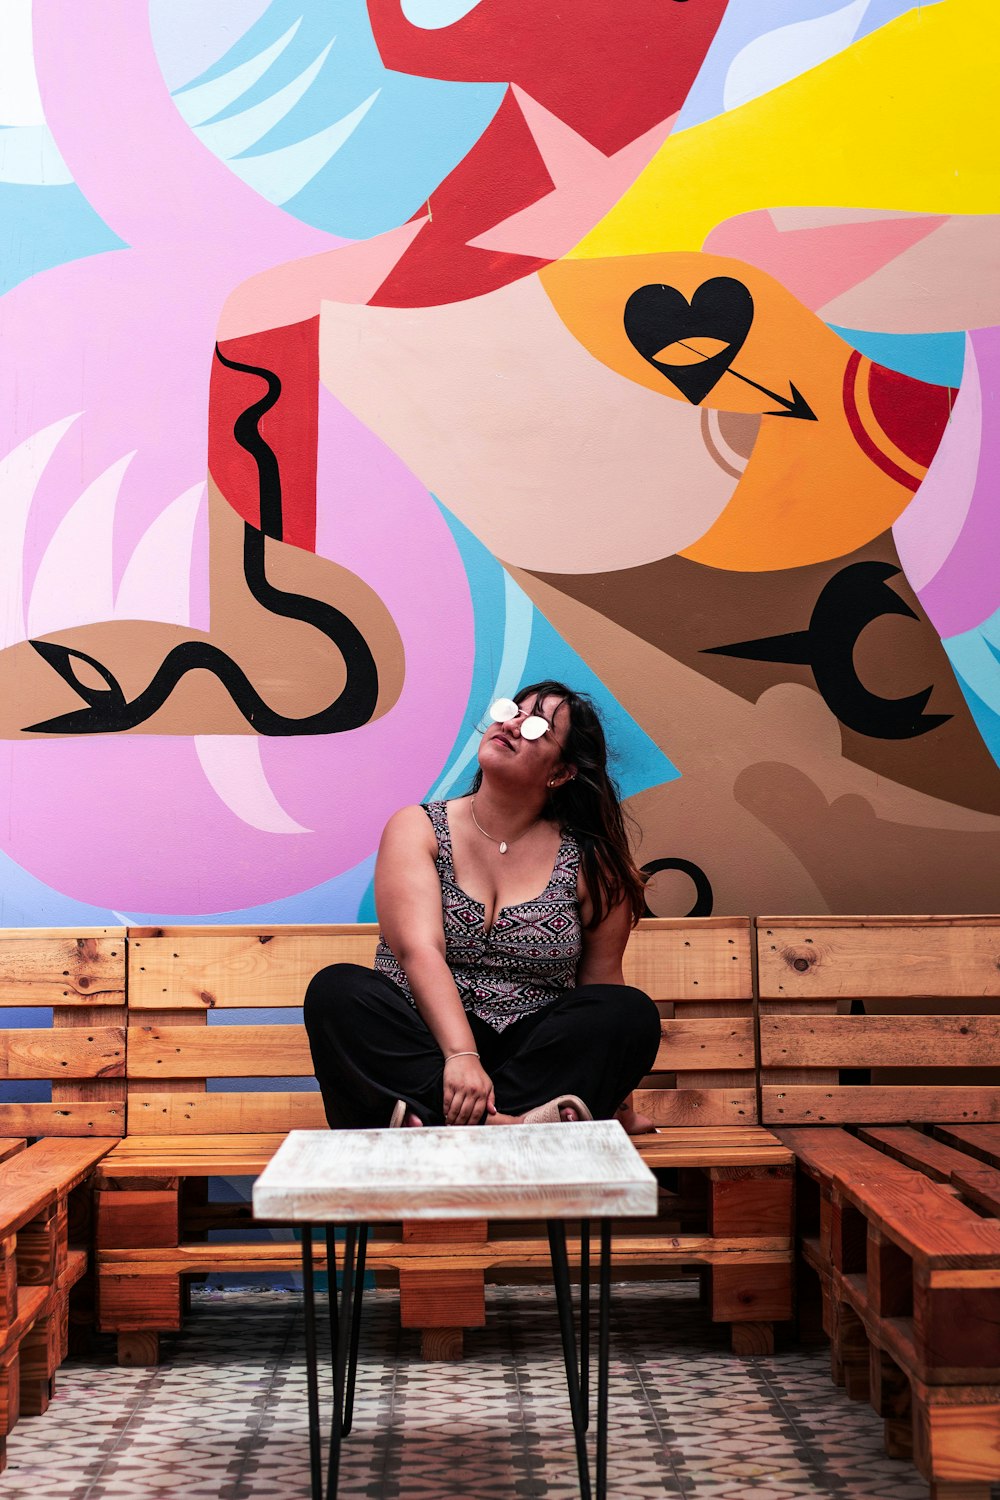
x,y
551,783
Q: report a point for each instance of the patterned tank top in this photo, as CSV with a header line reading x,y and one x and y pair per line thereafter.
x,y
528,957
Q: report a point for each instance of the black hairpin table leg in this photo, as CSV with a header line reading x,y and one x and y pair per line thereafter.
x,y
352,1361
564,1306
603,1359
312,1378
585,1319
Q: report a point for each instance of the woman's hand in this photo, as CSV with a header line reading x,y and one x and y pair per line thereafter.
x,y
468,1091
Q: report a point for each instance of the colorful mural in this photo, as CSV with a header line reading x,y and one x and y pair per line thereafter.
x,y
364,361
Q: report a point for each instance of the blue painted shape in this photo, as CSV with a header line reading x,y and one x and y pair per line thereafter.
x,y
639,762
987,719
744,21
938,358
975,660
416,132
41,227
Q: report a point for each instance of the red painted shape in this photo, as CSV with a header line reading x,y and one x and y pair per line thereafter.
x,y
502,174
863,437
911,412
609,70
290,428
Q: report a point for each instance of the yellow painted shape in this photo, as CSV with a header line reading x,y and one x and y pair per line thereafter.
x,y
903,119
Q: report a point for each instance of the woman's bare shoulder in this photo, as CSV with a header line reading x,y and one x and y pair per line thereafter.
x,y
410,824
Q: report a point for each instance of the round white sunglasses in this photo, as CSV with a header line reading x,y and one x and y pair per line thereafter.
x,y
532,727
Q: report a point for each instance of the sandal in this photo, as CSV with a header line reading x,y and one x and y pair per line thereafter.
x,y
548,1114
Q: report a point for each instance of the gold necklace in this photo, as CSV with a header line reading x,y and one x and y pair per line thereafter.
x,y
504,844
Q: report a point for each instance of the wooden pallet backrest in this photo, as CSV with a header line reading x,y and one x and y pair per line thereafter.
x,y
208,1007
698,970
216,1043
925,997
62,1031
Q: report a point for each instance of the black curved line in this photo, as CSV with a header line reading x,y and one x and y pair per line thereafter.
x,y
108,710
704,895
246,431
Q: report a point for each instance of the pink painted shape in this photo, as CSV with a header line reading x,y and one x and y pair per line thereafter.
x,y
965,590
127,338
818,264
586,184
932,523
291,293
149,795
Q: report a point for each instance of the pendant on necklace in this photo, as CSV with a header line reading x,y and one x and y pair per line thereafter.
x,y
503,847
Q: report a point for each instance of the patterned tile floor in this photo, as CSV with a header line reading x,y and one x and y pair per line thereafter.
x,y
223,1418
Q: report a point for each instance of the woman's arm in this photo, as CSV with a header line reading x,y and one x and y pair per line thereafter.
x,y
408,900
604,945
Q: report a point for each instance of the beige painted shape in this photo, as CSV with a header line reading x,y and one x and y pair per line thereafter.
x,y
752,857
293,667
553,460
949,280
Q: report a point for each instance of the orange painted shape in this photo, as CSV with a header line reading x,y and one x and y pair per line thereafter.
x,y
809,492
786,343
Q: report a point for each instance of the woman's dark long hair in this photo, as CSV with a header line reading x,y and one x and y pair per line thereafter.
x,y
589,805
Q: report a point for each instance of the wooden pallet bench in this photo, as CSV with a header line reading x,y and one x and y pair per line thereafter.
x,y
731,1217
899,1186
39,1266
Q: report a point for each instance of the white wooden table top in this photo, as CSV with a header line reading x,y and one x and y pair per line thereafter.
x,y
583,1168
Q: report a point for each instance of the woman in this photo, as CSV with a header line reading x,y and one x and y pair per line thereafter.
x,y
497,995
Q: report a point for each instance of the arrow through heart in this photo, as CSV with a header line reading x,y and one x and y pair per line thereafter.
x,y
693,344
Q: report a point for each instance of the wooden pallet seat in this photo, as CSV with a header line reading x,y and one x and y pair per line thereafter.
x,y
890,1026
197,1111
39,1266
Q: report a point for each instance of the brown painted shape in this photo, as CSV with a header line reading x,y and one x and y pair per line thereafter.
x,y
294,667
686,609
748,850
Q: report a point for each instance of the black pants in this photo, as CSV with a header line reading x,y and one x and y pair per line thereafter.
x,y
370,1048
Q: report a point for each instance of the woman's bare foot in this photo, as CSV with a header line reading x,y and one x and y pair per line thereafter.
x,y
633,1122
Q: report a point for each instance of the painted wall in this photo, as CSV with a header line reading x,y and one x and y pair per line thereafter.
x,y
362,363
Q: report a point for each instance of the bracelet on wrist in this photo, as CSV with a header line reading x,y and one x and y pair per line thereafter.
x,y
460,1054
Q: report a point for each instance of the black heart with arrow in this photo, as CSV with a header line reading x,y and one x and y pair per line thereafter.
x,y
693,344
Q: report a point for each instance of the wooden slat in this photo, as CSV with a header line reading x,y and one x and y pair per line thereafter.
x,y
979,1140
208,1114
708,1147
36,1177
90,1052
106,1088
204,968
167,1156
281,1256
218,1052
95,1119
11,1147
683,958
692,1106
77,967
878,956
877,1104
283,1051
915,1149
879,1041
